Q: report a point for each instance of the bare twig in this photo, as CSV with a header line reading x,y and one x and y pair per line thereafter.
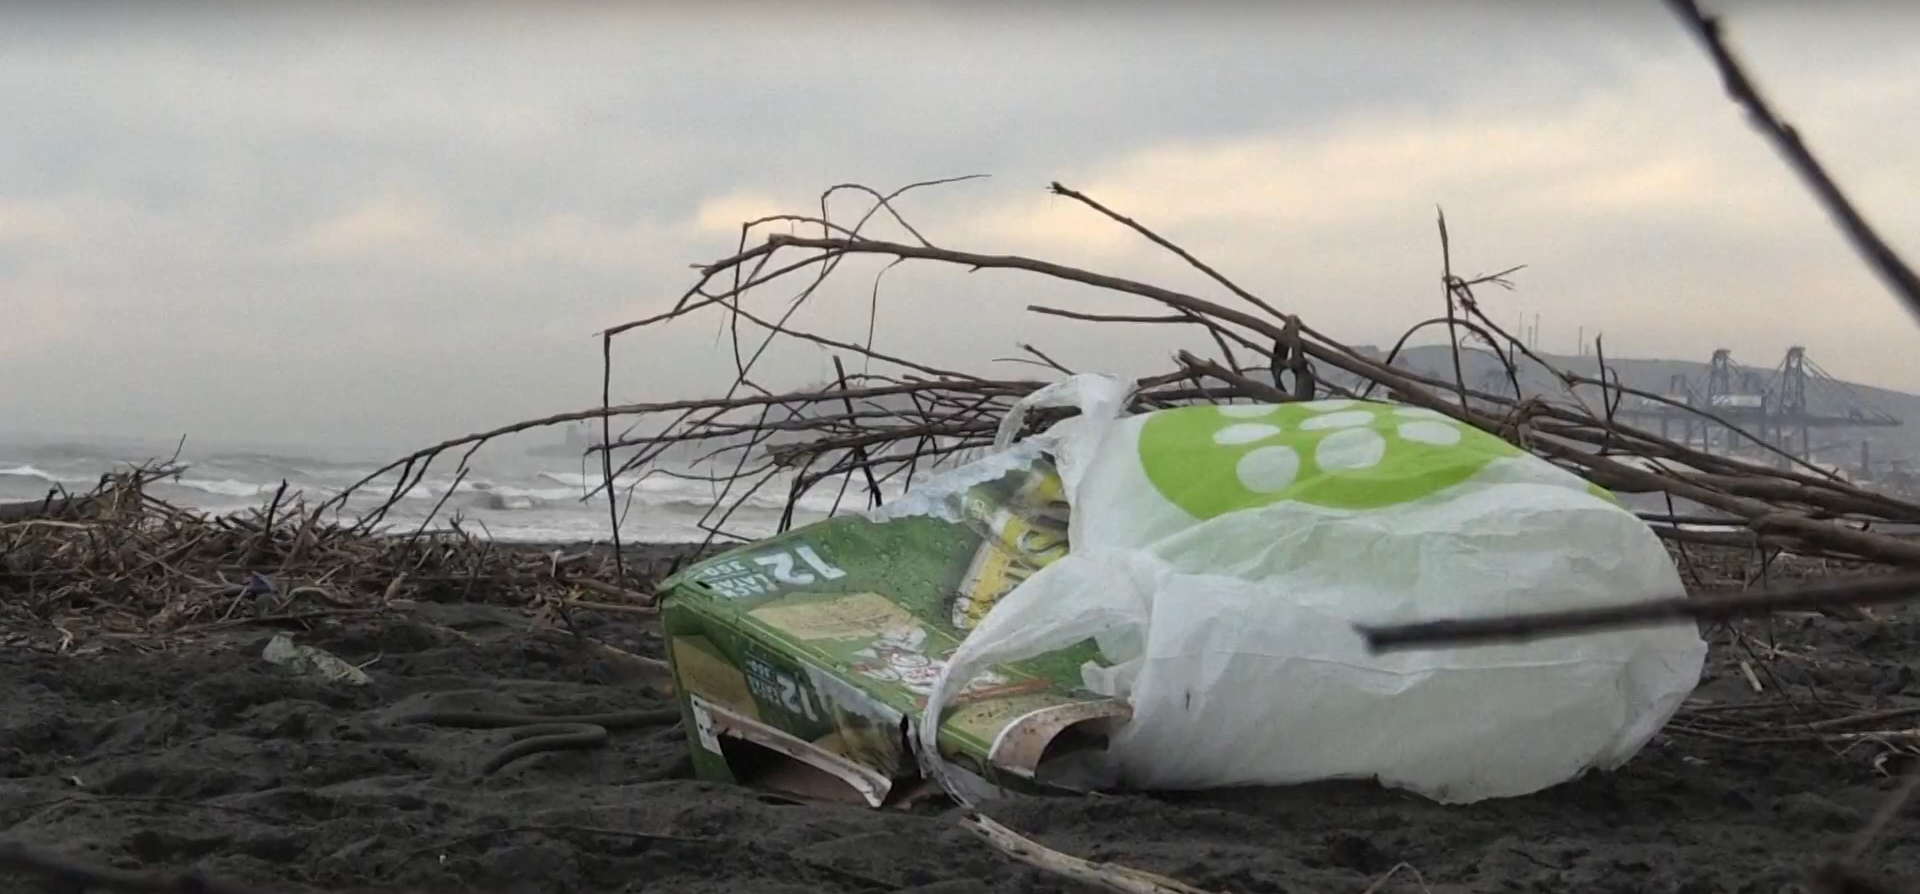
x,y
1538,625
1880,257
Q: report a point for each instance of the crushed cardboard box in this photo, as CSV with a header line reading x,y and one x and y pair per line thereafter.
x,y
804,660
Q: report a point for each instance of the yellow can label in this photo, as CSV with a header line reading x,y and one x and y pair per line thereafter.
x,y
1014,549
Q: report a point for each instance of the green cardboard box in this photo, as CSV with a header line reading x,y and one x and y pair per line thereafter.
x,y
813,651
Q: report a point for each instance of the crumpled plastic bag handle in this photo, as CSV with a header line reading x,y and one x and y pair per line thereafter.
x,y
1100,397
1102,400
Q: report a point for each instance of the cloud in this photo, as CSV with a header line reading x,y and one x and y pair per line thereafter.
x,y
353,224
24,225
39,323
1643,210
725,214
382,226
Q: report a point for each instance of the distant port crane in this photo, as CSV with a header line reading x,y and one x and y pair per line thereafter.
x,y
1782,406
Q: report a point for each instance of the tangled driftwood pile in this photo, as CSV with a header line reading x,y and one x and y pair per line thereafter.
x,y
872,430
118,563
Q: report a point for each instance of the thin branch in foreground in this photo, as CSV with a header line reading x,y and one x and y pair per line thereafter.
x,y
606,455
1886,263
1541,625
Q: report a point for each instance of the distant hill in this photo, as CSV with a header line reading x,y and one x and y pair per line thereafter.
x,y
1828,397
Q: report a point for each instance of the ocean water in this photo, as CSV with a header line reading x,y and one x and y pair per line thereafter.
x,y
508,494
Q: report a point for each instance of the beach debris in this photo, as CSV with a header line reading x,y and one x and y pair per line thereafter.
x,y
880,427
134,567
1252,534
282,651
158,571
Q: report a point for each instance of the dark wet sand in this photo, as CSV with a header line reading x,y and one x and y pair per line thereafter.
x,y
206,756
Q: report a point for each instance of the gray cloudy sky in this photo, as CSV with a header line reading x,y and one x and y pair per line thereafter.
x,y
358,226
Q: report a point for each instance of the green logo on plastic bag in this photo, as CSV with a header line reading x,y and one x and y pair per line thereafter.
x,y
1342,454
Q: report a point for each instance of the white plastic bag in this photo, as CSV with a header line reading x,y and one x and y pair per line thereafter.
x,y
1221,556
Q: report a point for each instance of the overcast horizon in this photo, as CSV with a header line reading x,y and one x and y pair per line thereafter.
x,y
349,226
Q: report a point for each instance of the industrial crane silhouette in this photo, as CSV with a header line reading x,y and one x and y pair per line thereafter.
x,y
1781,407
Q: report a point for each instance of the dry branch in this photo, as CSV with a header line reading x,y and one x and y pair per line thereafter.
x,y
1680,607
876,426
1785,138
1113,877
